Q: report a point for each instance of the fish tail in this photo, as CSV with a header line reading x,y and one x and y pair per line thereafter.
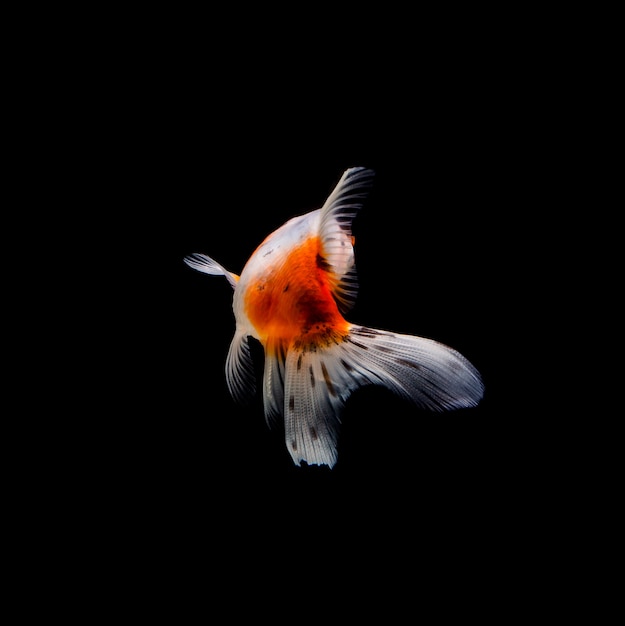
x,y
425,372
319,379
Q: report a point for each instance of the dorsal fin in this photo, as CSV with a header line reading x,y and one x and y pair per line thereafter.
x,y
336,232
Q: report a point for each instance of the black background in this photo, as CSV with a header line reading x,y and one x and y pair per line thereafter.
x,y
435,258
178,145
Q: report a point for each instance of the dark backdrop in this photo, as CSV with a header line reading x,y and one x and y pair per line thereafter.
x,y
433,252
177,152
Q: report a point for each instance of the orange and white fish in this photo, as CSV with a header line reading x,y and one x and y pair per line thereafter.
x,y
291,296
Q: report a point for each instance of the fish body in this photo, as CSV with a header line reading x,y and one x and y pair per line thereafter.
x,y
292,296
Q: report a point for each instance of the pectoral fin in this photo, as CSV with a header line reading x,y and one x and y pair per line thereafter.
x,y
240,373
206,265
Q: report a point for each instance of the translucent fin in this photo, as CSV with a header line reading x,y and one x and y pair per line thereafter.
x,y
273,382
318,382
240,373
315,391
423,371
205,264
337,215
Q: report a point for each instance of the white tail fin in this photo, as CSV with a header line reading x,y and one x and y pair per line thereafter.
x,y
317,383
206,265
425,372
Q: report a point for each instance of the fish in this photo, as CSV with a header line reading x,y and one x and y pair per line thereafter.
x,y
292,296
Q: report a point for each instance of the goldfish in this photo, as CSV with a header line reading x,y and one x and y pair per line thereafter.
x,y
292,296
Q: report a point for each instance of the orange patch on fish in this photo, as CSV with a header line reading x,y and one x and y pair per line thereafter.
x,y
294,300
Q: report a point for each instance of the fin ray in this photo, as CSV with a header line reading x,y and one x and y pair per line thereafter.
x,y
240,372
425,372
273,382
319,381
206,265
337,215
313,400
